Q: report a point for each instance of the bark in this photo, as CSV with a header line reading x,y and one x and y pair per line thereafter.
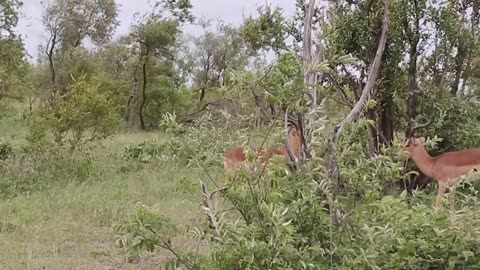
x,y
144,88
473,29
458,69
386,118
308,59
49,52
133,96
206,68
460,58
414,38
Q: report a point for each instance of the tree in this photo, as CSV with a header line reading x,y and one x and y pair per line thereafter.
x,y
214,54
70,22
13,65
155,35
9,17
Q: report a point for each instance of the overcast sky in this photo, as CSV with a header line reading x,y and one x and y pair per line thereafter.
x,y
230,11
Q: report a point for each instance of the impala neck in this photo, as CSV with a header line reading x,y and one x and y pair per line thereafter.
x,y
423,161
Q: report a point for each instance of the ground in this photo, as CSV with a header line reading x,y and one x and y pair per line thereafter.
x,y
70,226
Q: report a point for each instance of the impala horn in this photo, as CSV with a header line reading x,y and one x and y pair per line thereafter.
x,y
413,130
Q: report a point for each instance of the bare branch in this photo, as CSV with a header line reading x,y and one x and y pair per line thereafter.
x,y
209,208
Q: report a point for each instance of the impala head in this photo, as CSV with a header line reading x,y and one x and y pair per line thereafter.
x,y
413,145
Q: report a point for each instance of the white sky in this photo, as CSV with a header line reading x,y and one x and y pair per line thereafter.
x,y
230,11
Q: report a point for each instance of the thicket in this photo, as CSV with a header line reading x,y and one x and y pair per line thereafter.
x,y
352,205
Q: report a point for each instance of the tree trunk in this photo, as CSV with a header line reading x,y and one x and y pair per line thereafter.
x,y
356,112
412,97
49,52
144,89
202,93
308,58
133,99
458,69
386,118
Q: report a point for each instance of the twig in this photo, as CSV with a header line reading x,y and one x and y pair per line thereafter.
x,y
209,208
226,194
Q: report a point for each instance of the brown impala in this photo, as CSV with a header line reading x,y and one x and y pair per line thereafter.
x,y
237,156
446,168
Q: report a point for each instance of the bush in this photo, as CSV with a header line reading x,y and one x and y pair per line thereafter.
x,y
30,171
80,116
309,221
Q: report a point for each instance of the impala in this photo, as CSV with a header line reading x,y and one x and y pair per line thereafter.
x,y
445,169
237,156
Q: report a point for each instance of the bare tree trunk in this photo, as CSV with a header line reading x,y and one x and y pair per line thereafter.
x,y
310,78
460,58
414,38
144,89
357,110
473,29
204,85
458,69
133,97
372,78
49,51
52,42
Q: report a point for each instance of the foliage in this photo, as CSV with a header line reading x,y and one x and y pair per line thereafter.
x,y
81,116
214,55
367,217
268,31
74,20
47,166
13,66
282,223
189,146
147,230
9,16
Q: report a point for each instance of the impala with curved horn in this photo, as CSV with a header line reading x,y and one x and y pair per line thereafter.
x,y
293,149
444,169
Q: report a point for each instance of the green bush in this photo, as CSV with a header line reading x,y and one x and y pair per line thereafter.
x,y
80,116
29,171
310,221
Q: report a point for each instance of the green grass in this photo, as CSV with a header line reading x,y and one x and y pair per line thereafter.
x,y
70,226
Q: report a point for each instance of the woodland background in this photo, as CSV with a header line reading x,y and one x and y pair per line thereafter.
x,y
103,147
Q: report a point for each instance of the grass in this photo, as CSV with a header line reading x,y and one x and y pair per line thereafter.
x,y
70,226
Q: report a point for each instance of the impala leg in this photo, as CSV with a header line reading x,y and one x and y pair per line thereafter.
x,y
441,191
451,197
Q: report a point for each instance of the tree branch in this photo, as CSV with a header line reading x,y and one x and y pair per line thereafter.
x,y
372,78
357,110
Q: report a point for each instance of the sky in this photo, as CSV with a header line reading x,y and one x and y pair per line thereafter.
x,y
230,11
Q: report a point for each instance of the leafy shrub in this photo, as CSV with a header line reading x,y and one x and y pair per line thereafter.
x,y
310,221
188,145
30,171
82,115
